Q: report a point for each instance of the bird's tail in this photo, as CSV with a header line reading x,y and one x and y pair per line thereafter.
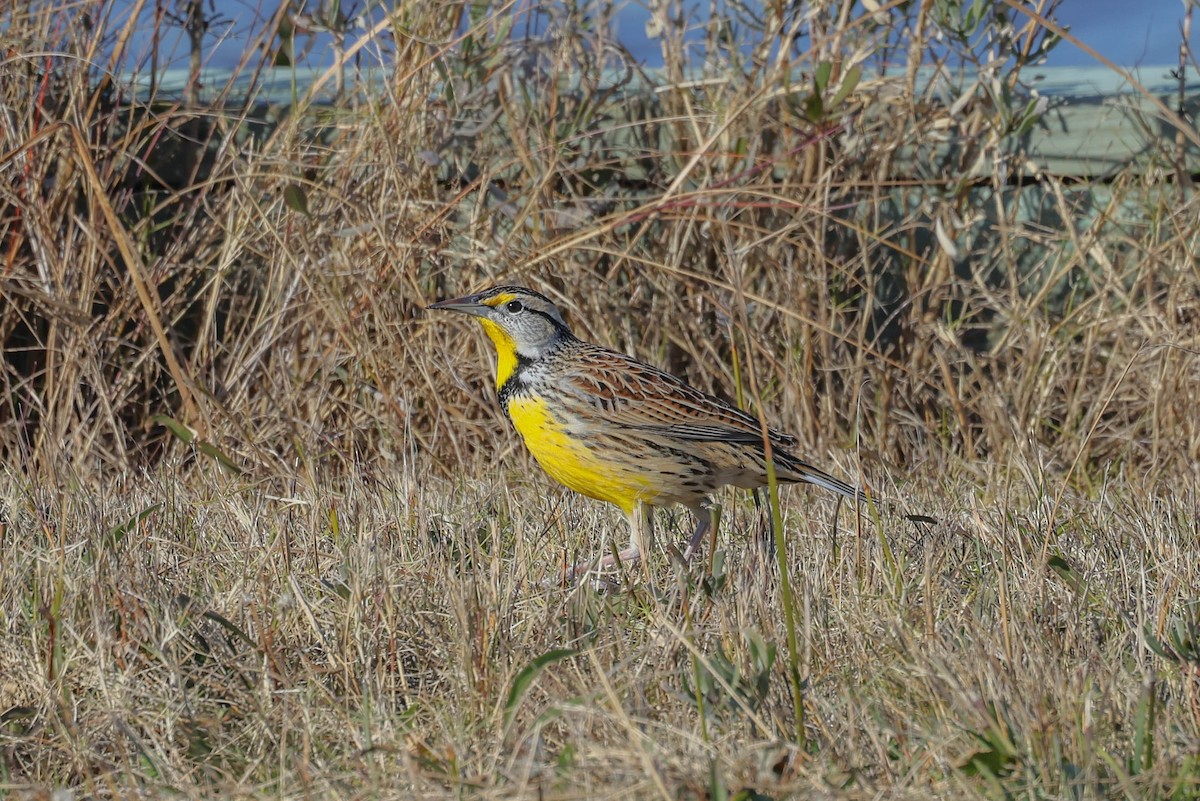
x,y
798,470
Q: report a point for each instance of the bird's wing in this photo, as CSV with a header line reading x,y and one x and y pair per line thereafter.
x,y
638,397
690,432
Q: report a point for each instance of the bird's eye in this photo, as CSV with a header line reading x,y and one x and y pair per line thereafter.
x,y
515,306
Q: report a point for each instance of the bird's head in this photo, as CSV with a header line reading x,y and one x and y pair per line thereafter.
x,y
523,324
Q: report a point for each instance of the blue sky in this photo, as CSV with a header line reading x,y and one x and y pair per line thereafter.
x,y
1130,32
1141,32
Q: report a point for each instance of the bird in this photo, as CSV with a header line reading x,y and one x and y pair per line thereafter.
x,y
616,429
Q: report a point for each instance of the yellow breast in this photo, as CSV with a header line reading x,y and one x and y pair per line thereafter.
x,y
570,461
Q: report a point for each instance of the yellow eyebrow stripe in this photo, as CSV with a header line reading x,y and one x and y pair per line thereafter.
x,y
499,300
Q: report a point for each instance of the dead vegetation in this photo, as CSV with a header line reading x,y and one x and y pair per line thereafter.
x,y
264,533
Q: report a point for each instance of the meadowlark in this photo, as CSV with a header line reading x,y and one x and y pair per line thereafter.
x,y
613,428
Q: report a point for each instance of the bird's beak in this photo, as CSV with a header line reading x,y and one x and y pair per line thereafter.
x,y
467,305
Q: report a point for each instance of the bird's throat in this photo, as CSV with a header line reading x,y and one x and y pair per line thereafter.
x,y
507,361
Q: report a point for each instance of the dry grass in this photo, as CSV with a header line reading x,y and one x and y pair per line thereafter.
x,y
366,642
348,612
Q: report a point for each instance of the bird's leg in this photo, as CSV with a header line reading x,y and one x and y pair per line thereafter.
x,y
642,537
641,525
766,528
703,523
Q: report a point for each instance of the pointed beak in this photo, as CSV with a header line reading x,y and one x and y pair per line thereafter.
x,y
468,304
